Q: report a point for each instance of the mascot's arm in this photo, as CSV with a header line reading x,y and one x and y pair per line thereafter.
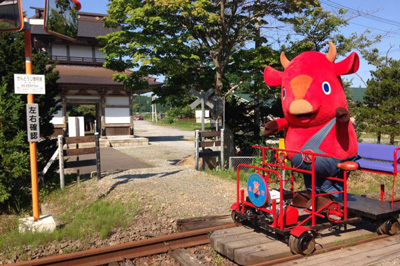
x,y
342,115
275,125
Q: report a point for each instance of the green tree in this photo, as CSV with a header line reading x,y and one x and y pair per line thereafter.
x,y
15,173
14,158
381,111
157,35
318,26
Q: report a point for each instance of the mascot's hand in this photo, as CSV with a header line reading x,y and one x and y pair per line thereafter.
x,y
270,128
342,115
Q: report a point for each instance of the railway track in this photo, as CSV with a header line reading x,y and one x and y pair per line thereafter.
x,y
131,250
162,244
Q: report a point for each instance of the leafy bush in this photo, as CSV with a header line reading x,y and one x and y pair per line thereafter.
x,y
15,184
179,112
14,156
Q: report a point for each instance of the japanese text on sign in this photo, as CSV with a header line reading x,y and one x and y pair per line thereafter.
x,y
29,84
32,119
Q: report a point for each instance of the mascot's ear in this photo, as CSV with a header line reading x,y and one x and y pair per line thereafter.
x,y
272,77
348,66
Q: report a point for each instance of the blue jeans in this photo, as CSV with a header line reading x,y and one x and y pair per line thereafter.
x,y
324,167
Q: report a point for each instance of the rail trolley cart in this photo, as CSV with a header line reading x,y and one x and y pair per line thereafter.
x,y
273,211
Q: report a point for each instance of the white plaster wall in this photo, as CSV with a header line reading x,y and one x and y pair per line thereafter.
x,y
117,116
124,100
98,53
80,51
76,126
57,118
58,49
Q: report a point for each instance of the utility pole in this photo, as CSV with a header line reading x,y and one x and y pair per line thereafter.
x,y
256,89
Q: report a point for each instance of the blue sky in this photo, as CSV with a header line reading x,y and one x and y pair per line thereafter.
x,y
384,19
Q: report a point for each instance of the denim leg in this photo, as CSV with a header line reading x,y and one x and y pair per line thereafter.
x,y
329,186
308,183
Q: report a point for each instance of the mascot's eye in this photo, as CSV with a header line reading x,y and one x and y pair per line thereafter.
x,y
284,93
326,87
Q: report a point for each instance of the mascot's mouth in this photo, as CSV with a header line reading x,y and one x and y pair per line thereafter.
x,y
308,115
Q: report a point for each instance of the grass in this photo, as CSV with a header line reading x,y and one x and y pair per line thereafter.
x,y
218,259
185,124
81,217
363,183
230,174
372,137
98,219
351,241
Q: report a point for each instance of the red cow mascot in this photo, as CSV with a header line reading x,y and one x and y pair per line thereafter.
x,y
316,116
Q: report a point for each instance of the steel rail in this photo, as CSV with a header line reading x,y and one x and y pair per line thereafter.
x,y
322,250
130,250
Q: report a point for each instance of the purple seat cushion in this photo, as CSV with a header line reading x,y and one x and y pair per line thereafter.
x,y
379,166
378,151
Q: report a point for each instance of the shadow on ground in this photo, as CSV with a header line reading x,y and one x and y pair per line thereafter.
x,y
128,178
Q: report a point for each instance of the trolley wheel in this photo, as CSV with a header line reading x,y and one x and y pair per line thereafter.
x,y
389,227
304,245
292,246
235,217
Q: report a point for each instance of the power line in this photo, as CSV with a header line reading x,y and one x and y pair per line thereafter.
x,y
369,27
366,15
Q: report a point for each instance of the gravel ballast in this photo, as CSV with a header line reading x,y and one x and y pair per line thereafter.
x,y
166,192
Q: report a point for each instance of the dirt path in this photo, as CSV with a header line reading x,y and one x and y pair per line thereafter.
x,y
161,133
179,191
167,145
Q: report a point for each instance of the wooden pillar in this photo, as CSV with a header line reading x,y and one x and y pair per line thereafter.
x,y
64,115
131,129
61,161
103,120
196,160
98,118
98,163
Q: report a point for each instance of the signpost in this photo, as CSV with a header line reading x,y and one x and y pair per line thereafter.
x,y
202,98
29,84
32,120
32,145
11,20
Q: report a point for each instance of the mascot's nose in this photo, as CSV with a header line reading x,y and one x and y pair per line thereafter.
x,y
300,85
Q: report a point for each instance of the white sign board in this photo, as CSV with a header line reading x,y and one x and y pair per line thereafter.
x,y
32,119
76,126
117,115
29,84
199,113
206,115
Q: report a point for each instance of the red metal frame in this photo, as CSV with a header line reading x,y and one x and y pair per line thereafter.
x,y
313,155
280,163
241,191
